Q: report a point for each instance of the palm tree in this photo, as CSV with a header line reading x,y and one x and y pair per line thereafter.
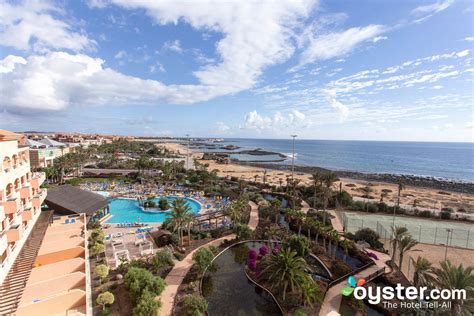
x,y
383,195
406,245
422,275
317,180
286,271
334,236
180,217
275,205
451,277
401,187
367,190
398,233
347,245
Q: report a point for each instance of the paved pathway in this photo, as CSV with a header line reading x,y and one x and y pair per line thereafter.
x,y
304,207
333,297
175,277
336,223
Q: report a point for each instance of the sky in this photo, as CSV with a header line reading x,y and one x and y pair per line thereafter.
x,y
349,70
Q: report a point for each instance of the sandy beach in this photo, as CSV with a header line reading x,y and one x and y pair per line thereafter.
x,y
425,197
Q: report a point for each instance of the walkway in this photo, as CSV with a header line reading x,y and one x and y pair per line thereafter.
x,y
175,277
336,223
333,297
304,207
253,221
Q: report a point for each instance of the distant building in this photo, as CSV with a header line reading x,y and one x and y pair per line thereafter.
x,y
44,151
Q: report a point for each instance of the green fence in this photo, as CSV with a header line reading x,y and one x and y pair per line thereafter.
x,y
424,231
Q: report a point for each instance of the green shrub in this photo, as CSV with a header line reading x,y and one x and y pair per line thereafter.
x,y
178,255
218,232
300,244
202,258
383,207
340,268
358,206
242,231
105,299
163,204
147,306
445,215
370,236
163,259
138,280
372,208
426,214
194,305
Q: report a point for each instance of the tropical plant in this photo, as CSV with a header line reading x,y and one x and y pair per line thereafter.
x,y
275,206
180,217
163,259
310,293
406,244
242,231
369,236
398,232
202,259
105,299
285,271
102,271
451,277
401,187
317,179
423,272
147,305
300,244
236,210
347,245
194,305
139,280
97,249
163,204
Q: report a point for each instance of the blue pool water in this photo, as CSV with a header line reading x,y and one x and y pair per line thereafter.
x,y
128,211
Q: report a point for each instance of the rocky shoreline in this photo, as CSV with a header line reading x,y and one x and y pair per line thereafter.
x,y
410,180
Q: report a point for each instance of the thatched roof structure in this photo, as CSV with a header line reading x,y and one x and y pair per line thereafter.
x,y
67,199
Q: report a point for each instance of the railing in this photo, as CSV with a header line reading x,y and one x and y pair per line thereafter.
x,y
345,276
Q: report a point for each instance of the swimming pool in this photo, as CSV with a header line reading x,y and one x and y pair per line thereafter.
x,y
128,211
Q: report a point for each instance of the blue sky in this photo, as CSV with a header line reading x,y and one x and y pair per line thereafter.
x,y
368,70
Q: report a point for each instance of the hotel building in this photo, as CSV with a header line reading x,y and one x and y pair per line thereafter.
x,y
44,267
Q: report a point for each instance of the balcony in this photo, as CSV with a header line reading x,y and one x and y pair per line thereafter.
x,y
25,193
11,206
26,215
14,233
38,178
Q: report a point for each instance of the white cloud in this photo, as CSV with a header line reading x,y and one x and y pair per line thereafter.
x,y
432,8
469,39
33,25
174,46
222,127
245,48
463,53
336,44
157,67
342,110
8,63
379,38
120,54
57,80
278,122
255,34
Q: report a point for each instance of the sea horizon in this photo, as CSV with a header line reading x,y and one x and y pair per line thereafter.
x,y
442,160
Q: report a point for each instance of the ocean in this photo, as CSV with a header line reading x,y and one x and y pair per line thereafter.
x,y
451,161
